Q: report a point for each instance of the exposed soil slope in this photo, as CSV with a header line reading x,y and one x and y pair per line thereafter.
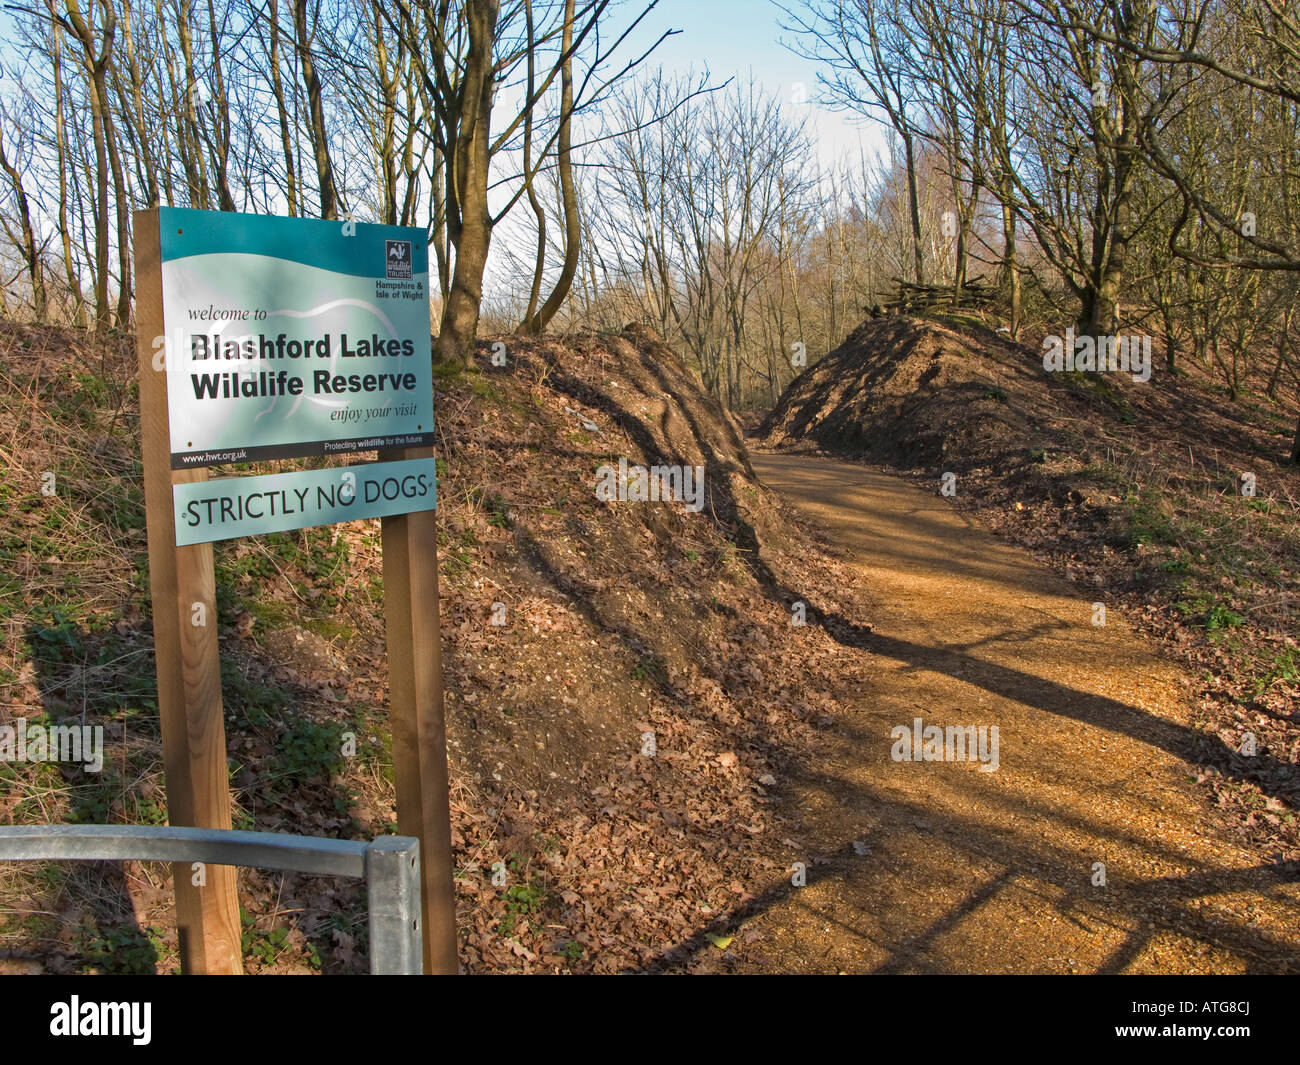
x,y
890,392
619,619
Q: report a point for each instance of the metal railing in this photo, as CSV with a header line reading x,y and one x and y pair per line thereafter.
x,y
390,866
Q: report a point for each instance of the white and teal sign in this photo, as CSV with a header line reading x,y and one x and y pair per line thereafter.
x,y
291,336
277,502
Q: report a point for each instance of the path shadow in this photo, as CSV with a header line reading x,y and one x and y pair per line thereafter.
x,y
111,676
107,934
1135,910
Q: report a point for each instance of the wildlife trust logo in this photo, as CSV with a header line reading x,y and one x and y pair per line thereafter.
x,y
397,259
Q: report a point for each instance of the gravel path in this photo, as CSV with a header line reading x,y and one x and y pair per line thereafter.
x,y
952,866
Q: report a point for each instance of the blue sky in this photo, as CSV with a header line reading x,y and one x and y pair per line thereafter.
x,y
735,37
729,38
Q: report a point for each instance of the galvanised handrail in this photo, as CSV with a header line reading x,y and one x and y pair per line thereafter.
x,y
390,866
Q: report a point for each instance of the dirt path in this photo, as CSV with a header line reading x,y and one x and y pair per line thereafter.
x,y
937,866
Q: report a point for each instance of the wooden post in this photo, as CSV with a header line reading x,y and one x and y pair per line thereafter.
x,y
183,589
415,713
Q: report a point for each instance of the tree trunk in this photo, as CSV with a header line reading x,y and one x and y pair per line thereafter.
x,y
1283,350
146,164
471,220
914,206
329,197
1009,261
568,193
282,109
188,140
386,148
61,146
530,175
123,216
94,83
438,228
1171,334
219,112
31,253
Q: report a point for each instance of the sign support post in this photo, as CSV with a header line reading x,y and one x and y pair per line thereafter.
x,y
182,585
416,716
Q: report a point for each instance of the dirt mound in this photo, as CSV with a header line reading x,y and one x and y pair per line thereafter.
x,y
613,741
914,393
